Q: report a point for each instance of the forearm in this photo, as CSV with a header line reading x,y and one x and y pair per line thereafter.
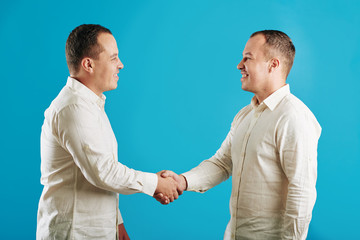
x,y
297,144
299,205
208,174
121,179
301,197
93,150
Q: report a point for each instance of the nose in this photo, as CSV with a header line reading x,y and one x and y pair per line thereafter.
x,y
120,65
241,64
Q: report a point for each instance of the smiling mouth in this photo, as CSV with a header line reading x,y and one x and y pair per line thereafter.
x,y
244,75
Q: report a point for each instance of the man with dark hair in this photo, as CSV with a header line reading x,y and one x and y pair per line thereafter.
x,y
83,42
79,162
277,41
270,151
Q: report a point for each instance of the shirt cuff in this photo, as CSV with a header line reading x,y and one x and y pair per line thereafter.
x,y
191,179
150,183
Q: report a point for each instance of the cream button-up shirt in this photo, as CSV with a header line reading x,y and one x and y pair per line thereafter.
x,y
271,154
80,170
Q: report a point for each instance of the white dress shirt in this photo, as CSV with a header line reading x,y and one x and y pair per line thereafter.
x,y
271,153
80,170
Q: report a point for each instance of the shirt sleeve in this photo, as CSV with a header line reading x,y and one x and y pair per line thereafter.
x,y
82,133
297,145
215,170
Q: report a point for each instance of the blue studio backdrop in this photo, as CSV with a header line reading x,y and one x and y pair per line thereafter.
x,y
176,98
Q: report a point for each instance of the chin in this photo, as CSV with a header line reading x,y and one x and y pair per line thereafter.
x,y
114,86
246,88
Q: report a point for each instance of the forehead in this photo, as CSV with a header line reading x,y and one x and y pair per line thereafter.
x,y
255,45
108,42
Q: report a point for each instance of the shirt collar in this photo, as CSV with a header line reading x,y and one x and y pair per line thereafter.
x,y
273,100
86,92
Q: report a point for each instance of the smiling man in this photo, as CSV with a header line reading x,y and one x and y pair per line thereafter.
x,y
79,162
270,151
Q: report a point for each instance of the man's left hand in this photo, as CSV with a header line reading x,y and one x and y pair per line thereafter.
x,y
122,233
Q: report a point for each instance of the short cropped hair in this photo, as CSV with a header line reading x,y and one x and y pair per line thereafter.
x,y
278,42
83,42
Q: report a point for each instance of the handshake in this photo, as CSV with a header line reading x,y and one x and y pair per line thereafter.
x,y
170,186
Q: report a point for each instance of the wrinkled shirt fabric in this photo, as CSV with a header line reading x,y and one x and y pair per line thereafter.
x,y
80,170
271,154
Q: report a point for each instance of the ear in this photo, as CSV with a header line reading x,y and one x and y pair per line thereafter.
x,y
87,64
274,64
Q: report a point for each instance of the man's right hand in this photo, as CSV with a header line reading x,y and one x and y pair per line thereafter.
x,y
181,185
166,188
180,179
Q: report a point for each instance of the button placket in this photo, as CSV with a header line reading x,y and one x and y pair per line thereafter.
x,y
256,114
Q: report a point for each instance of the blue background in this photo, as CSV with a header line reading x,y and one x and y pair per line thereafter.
x,y
176,99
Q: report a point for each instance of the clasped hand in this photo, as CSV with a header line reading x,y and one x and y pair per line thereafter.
x,y
170,186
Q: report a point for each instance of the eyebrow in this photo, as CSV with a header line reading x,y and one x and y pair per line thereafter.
x,y
248,53
114,55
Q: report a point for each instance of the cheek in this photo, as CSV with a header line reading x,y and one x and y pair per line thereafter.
x,y
109,71
264,68
259,71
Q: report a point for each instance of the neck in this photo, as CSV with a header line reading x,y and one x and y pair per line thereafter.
x,y
85,81
261,96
